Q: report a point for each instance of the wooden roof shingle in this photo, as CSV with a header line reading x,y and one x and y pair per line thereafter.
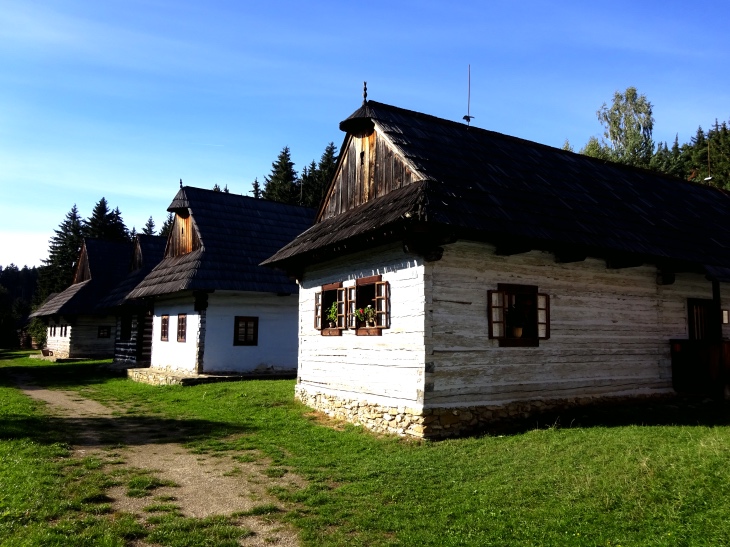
x,y
107,263
236,234
481,185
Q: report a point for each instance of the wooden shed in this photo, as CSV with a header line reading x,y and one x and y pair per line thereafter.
x,y
215,309
77,326
503,277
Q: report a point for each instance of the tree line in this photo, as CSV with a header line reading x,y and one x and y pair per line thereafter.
x,y
628,124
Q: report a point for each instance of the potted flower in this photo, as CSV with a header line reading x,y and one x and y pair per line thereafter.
x,y
332,315
516,320
366,315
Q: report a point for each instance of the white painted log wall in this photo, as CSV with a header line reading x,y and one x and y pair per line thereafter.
x,y
58,344
610,329
387,369
277,337
172,354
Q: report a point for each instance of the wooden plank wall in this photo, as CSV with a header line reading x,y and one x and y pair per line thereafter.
x,y
610,329
370,168
84,338
183,238
385,369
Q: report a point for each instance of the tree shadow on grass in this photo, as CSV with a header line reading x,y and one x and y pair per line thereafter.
x,y
8,354
53,375
678,410
111,431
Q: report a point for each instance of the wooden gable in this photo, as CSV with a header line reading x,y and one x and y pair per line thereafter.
x,y
137,259
370,166
83,272
183,237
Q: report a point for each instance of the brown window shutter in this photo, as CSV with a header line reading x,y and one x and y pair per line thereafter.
x,y
382,305
543,316
318,310
496,306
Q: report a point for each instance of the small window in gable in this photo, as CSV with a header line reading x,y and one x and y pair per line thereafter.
x,y
519,316
182,323
164,328
104,332
329,310
246,331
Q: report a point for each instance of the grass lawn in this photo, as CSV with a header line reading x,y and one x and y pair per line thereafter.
x,y
651,475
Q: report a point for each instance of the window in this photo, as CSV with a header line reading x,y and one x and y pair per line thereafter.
x,y
64,331
246,331
182,321
329,310
164,328
53,330
104,332
363,307
518,315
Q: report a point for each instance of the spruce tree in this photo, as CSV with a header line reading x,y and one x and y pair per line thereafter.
x,y
167,225
56,274
282,184
256,190
149,227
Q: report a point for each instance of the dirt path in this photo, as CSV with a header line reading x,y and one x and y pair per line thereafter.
x,y
205,485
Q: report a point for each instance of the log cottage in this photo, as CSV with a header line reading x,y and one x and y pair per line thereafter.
x,y
215,309
502,277
77,327
133,341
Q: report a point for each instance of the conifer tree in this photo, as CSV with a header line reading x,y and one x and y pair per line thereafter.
x,y
149,227
256,189
105,224
57,271
167,225
282,184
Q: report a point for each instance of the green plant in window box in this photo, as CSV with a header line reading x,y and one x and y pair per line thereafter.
x,y
332,315
366,315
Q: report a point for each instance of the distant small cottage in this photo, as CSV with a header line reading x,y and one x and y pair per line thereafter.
x,y
133,340
215,309
77,328
455,275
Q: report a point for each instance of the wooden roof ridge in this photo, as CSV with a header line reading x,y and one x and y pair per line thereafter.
x,y
489,186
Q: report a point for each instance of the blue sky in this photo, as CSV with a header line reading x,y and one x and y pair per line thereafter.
x,y
123,99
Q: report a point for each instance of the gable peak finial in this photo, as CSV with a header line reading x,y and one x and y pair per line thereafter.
x,y
364,93
180,183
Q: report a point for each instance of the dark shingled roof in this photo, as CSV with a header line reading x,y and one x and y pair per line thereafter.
x,y
148,252
108,262
482,185
236,234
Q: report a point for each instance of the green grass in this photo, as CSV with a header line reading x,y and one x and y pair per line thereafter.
x,y
647,475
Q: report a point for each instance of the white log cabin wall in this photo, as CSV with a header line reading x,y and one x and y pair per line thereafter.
x,y
174,355
609,329
387,369
57,340
277,333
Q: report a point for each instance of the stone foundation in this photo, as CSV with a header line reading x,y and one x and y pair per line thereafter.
x,y
170,377
434,423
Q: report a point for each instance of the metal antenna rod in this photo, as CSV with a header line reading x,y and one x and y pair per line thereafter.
x,y
468,116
